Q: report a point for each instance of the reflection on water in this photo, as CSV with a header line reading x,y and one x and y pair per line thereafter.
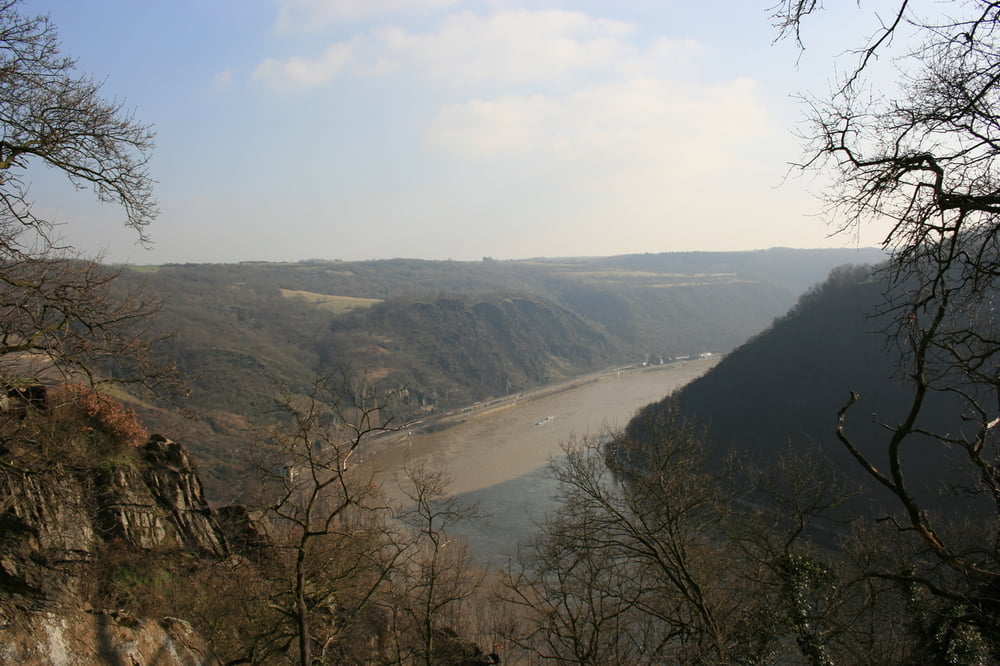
x,y
510,512
499,460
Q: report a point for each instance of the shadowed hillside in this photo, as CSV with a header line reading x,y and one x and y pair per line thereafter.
x,y
786,385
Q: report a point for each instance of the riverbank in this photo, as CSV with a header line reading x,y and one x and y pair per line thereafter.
x,y
497,440
497,452
441,422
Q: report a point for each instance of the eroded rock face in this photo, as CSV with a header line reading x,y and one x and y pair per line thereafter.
x,y
54,519
95,639
46,535
127,511
171,478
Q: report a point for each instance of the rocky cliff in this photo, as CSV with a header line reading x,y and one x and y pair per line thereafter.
x,y
80,638
58,518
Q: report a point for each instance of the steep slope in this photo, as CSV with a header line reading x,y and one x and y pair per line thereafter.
x,y
786,385
443,352
456,350
680,319
81,513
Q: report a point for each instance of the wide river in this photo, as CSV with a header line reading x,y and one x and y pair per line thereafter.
x,y
498,458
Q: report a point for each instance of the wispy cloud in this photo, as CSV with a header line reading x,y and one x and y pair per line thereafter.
x,y
619,122
299,72
508,48
223,79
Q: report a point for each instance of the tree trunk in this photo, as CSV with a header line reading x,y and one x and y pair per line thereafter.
x,y
301,612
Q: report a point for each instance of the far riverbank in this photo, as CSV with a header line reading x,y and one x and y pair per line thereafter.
x,y
449,419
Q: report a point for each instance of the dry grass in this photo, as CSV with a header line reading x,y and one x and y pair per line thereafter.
x,y
329,302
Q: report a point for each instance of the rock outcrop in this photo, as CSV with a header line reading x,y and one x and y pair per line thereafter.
x,y
55,518
47,534
76,638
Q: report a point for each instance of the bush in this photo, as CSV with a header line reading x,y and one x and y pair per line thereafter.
x,y
104,414
77,427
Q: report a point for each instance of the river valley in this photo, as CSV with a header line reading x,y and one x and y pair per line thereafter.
x,y
498,456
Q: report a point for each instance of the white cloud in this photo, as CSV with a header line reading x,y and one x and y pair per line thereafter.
x,y
635,123
507,48
510,48
654,160
298,72
557,115
317,14
223,79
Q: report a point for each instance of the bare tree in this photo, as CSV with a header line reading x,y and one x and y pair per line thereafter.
x,y
327,514
579,602
808,560
436,576
54,305
656,556
924,156
630,569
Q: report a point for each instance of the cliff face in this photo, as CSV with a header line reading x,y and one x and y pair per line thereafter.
x,y
79,638
54,520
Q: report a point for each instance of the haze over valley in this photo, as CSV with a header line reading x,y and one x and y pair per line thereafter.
x,y
448,333
477,332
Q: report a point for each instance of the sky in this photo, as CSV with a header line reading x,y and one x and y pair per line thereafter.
x,y
291,130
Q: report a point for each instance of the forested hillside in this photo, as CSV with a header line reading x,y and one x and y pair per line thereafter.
x,y
446,333
786,386
452,350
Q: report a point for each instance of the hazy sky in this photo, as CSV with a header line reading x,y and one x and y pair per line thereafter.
x,y
353,129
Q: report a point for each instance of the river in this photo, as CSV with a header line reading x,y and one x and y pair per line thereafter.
x,y
498,456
